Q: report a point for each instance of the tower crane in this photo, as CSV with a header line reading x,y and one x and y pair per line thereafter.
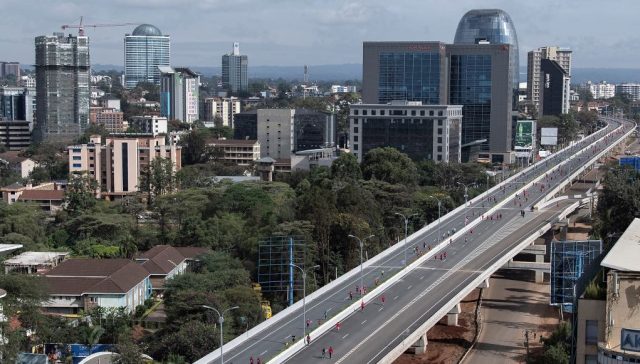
x,y
81,26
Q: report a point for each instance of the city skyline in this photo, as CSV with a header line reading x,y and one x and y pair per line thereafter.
x,y
285,33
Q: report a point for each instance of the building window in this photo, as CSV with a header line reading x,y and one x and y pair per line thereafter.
x,y
382,112
355,147
439,131
439,157
355,130
440,140
591,332
413,113
439,122
355,138
77,165
440,148
76,150
421,112
355,112
440,113
430,112
77,158
373,112
364,112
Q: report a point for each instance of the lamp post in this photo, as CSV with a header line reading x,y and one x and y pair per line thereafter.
x,y
221,321
439,205
406,224
304,298
466,192
361,242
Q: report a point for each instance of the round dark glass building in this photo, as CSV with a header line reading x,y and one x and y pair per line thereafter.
x,y
492,25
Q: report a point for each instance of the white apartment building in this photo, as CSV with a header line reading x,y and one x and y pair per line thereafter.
x,y
149,124
118,163
632,90
340,89
561,55
602,90
224,107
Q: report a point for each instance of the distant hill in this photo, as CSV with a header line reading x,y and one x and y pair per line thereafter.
x,y
351,71
319,73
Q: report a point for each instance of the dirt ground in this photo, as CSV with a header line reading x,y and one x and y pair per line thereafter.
x,y
448,343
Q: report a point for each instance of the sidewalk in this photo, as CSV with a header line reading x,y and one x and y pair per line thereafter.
x,y
511,305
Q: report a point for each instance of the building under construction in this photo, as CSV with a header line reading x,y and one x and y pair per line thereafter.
x,y
62,86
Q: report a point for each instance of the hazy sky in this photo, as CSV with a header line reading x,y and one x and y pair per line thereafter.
x,y
602,33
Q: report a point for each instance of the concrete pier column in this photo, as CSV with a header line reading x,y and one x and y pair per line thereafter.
x,y
420,346
539,274
452,316
485,283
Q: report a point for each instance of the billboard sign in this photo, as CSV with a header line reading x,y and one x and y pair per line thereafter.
x,y
549,136
630,340
525,130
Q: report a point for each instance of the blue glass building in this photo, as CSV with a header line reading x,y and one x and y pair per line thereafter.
x,y
491,25
144,50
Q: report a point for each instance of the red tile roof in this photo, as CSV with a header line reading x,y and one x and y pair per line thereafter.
x,y
12,157
38,195
161,259
80,276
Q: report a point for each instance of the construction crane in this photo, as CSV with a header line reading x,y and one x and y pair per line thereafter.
x,y
81,26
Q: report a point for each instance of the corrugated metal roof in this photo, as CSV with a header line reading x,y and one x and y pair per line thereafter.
x,y
624,254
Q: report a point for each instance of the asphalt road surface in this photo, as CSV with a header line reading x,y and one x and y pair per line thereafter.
x,y
366,336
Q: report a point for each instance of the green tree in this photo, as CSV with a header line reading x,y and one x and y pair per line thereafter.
x,y
195,148
346,167
80,194
158,178
389,165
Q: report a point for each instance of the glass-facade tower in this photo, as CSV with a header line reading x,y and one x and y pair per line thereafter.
x,y
234,70
493,26
413,76
144,50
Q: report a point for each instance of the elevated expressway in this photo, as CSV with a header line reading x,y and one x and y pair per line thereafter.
x,y
418,295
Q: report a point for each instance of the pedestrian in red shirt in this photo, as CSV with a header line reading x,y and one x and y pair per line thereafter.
x,y
330,351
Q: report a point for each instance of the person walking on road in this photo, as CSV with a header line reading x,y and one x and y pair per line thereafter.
x,y
382,299
324,353
308,339
338,325
330,351
258,361
350,296
251,360
361,305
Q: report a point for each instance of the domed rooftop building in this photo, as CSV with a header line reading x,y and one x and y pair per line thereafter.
x,y
492,25
147,30
144,50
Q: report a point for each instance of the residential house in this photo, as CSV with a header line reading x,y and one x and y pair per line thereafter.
x,y
164,262
21,165
82,284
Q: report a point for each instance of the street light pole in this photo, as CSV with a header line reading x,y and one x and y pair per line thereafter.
x,y
466,193
361,242
304,299
406,227
439,205
221,321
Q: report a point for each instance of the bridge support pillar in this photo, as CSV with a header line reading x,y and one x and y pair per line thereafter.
x,y
485,283
420,346
539,274
452,316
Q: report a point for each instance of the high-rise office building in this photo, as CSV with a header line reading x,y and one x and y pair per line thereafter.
x,y
630,90
602,90
10,69
179,90
62,87
554,88
560,55
412,71
17,103
144,50
421,131
493,26
234,70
